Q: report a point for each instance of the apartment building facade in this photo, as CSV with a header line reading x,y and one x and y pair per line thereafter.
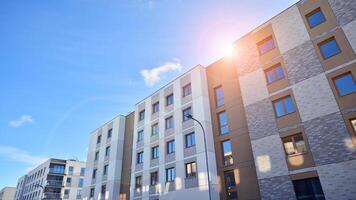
x,y
7,193
109,160
53,179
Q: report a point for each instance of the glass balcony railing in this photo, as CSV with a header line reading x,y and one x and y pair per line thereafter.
x,y
52,195
54,182
56,171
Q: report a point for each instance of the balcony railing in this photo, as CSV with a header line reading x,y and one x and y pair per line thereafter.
x,y
52,195
56,171
54,183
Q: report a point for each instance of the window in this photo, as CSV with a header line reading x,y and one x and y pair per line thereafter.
x,y
69,180
189,140
154,178
294,144
140,135
155,152
186,113
190,169
274,73
94,173
79,194
169,122
266,45
138,182
155,107
223,124
353,124
98,140
345,84
283,106
227,153
315,18
329,48
187,90
170,147
92,191
70,170
66,192
141,115
109,133
96,157
169,99
230,185
82,171
309,188
81,182
103,191
107,151
219,96
154,129
140,157
170,174
106,168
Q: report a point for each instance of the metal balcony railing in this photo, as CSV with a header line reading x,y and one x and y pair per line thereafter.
x,y
54,183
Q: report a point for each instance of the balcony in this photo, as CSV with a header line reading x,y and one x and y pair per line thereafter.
x,y
52,195
54,183
56,171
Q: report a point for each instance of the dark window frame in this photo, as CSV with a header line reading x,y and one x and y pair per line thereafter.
x,y
170,99
263,42
325,42
342,75
138,182
219,99
282,99
155,152
173,175
155,107
313,13
168,146
141,115
193,173
293,140
184,115
139,159
189,140
185,92
167,120
274,72
221,126
154,178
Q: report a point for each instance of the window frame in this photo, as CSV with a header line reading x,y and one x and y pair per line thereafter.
x,y
222,126
141,115
173,146
219,99
265,41
168,97
325,42
139,159
342,75
139,133
170,175
185,92
167,120
109,135
352,126
96,155
98,139
311,14
107,151
154,152
155,107
153,128
138,182
282,100
106,169
192,142
154,178
275,74
184,110
193,173
228,160
295,150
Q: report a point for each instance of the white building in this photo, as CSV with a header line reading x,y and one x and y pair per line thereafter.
x,y
109,160
7,193
53,179
168,160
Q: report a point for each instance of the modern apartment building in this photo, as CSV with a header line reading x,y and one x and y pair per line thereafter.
x,y
279,119
53,179
168,160
7,193
109,160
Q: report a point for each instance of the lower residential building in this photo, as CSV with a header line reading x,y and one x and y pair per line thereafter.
x,y
109,160
7,193
53,179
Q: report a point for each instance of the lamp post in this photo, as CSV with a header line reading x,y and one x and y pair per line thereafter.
x,y
189,116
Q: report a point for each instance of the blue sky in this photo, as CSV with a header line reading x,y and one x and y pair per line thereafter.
x,y
68,66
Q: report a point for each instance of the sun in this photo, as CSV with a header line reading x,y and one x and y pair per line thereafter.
x,y
228,50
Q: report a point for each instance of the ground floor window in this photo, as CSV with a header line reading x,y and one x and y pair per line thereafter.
x,y
308,189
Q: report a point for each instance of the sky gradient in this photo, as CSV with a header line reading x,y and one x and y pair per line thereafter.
x,y
69,66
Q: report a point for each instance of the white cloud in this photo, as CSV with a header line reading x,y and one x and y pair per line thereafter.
x,y
152,76
22,120
19,155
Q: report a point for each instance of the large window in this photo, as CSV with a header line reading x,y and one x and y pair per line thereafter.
x,y
155,152
274,73
139,157
140,135
190,169
187,90
154,178
189,140
169,122
169,99
187,112
315,18
231,191
170,147
106,168
345,84
294,144
107,151
223,123
266,45
227,153
170,174
283,106
309,188
155,107
138,182
141,115
154,129
329,48
219,96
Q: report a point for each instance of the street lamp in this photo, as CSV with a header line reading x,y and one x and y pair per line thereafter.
x,y
41,186
189,116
